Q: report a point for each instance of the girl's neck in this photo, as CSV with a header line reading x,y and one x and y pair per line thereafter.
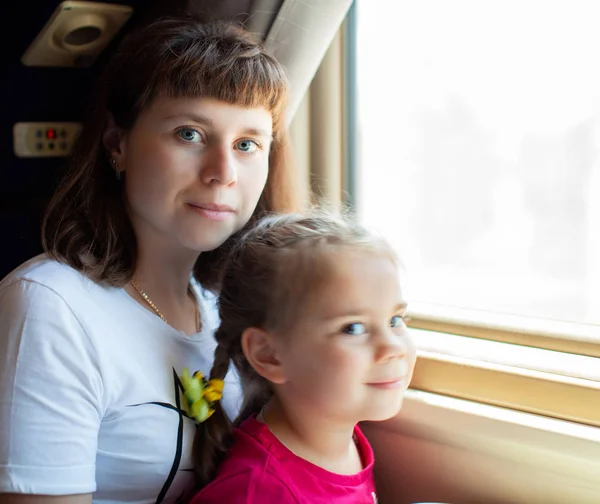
x,y
324,443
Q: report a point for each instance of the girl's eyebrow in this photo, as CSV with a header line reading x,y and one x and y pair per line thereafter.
x,y
358,312
401,307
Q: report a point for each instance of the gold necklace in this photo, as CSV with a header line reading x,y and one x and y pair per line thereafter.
x,y
158,312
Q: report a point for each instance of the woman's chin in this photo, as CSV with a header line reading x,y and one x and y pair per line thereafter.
x,y
209,239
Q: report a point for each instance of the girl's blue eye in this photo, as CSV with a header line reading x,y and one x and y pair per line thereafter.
x,y
355,329
397,321
246,146
189,135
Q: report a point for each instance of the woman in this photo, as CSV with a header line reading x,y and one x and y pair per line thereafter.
x,y
184,148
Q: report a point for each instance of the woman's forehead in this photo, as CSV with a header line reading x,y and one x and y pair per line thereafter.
x,y
211,113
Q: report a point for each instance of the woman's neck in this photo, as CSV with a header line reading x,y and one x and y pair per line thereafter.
x,y
164,276
325,443
162,267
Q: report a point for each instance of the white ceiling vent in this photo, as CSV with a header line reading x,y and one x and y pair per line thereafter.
x,y
76,34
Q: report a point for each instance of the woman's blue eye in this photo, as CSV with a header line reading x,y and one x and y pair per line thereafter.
x,y
355,329
189,135
397,321
246,146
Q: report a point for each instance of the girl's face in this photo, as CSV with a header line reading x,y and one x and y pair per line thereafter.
x,y
350,357
194,170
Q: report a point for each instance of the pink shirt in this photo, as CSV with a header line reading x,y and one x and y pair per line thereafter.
x,y
261,470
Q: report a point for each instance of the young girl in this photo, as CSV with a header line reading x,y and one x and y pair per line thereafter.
x,y
313,321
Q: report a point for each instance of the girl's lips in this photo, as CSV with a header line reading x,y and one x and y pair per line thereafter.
x,y
389,384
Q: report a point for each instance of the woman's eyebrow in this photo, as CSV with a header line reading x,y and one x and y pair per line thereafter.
x,y
194,117
200,119
257,132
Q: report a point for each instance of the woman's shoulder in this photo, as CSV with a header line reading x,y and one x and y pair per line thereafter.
x,y
203,293
207,303
47,283
46,271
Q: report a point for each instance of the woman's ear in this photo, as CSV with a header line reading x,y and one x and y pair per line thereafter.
x,y
260,351
113,139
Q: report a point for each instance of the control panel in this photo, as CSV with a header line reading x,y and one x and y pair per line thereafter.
x,y
44,139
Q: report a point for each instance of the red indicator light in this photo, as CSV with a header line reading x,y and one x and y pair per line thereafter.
x,y
50,134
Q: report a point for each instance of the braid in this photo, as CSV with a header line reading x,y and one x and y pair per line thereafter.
x,y
213,437
220,364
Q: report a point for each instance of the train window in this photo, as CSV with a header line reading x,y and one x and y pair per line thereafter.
x,y
478,125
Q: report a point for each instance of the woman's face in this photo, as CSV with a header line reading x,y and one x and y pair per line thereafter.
x,y
194,170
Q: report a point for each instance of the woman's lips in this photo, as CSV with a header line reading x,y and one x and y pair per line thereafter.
x,y
213,211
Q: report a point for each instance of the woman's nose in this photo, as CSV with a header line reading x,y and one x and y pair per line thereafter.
x,y
218,167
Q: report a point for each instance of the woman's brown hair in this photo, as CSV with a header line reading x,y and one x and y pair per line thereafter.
x,y
86,223
272,271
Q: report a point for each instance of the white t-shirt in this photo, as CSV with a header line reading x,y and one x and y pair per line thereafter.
x,y
89,400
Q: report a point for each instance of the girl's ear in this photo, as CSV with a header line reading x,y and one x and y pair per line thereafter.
x,y
259,349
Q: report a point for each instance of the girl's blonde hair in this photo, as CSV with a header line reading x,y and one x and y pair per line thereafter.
x,y
271,272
